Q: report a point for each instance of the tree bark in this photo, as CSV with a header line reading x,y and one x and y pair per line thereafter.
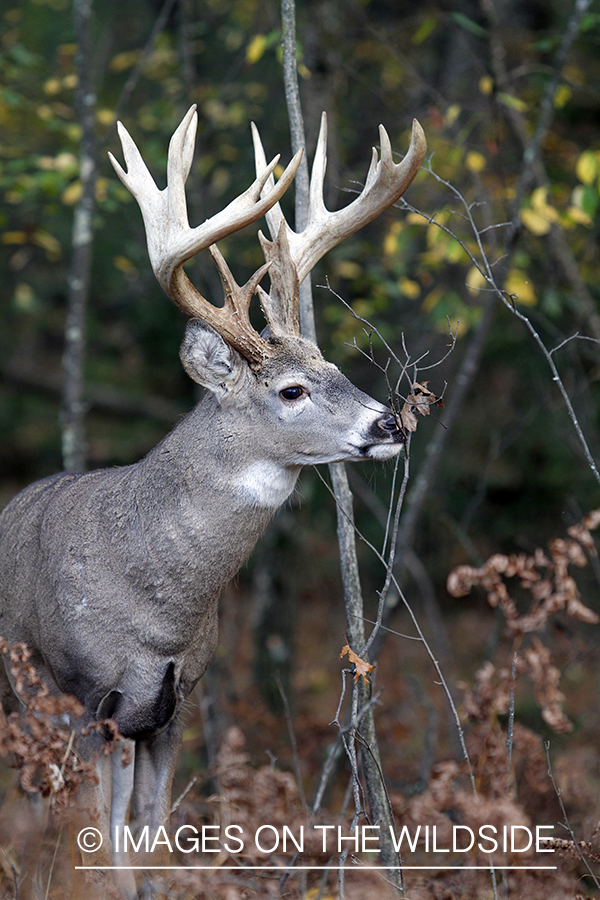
x,y
73,407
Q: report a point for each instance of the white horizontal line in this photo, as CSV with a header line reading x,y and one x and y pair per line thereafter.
x,y
356,868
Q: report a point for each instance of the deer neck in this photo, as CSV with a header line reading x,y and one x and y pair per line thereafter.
x,y
215,459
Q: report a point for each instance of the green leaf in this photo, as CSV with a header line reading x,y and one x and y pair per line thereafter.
x,y
512,102
589,201
468,24
424,30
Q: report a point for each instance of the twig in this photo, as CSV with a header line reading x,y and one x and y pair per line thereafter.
x,y
184,794
511,717
565,822
293,741
56,846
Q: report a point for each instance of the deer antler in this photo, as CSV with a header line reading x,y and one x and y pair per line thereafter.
x,y
385,184
171,241
290,255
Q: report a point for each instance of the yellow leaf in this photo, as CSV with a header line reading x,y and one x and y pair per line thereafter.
x,y
424,30
486,84
256,48
432,299
414,218
535,221
123,61
24,297
512,102
14,237
101,189
105,116
48,242
64,161
72,193
476,162
475,281
562,96
409,288
452,114
345,268
539,197
46,163
74,132
579,216
519,285
52,86
586,167
454,252
390,242
124,265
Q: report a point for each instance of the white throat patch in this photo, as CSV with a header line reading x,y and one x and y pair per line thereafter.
x,y
266,484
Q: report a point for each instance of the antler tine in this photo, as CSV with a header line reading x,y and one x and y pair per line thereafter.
x,y
317,175
281,304
170,239
179,163
386,182
274,216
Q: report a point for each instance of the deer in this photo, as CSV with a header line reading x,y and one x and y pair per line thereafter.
x,y
112,577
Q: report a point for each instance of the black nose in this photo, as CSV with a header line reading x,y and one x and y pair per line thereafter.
x,y
388,423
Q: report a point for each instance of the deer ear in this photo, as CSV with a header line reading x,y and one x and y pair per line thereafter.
x,y
207,358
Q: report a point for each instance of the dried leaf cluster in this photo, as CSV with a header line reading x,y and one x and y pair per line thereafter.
x,y
490,694
545,578
42,737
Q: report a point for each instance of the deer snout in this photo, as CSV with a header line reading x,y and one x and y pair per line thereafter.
x,y
388,424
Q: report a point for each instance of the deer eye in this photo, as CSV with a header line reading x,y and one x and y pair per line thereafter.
x,y
292,393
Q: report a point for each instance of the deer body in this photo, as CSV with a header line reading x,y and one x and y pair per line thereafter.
x,y
112,577
141,553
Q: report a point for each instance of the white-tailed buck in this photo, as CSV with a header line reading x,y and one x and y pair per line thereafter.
x,y
113,577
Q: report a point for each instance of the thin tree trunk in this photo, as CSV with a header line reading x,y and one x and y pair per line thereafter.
x,y
73,408
375,788
298,140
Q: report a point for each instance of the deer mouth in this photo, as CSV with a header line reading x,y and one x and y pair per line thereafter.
x,y
386,450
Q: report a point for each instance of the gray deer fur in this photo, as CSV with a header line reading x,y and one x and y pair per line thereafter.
x,y
113,577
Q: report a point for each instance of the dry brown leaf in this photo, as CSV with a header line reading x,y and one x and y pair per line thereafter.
x,y
418,402
362,667
408,418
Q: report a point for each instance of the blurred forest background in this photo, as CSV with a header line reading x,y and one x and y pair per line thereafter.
x,y
508,94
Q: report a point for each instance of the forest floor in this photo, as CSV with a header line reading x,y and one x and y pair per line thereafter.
x,y
238,768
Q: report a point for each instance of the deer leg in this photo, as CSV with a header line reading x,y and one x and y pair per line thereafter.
x,y
122,777
155,761
103,806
